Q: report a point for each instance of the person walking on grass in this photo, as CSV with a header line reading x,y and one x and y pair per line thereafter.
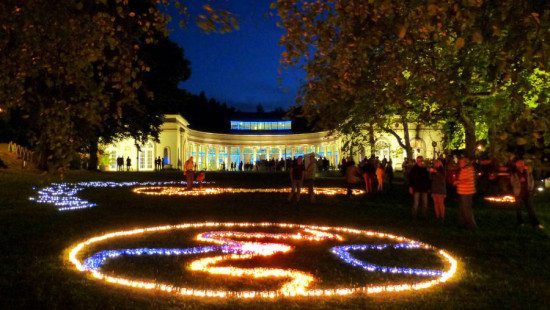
x,y
296,179
309,176
439,190
466,188
419,185
523,185
189,172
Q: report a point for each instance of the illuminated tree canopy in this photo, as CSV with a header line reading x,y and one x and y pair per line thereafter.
x,y
382,61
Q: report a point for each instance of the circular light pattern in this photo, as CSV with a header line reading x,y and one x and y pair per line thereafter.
x,y
227,242
64,195
179,191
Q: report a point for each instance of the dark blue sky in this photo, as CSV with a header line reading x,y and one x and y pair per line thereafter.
x,y
241,67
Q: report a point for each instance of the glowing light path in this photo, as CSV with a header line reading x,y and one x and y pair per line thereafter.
x,y
178,191
231,245
64,196
501,199
343,252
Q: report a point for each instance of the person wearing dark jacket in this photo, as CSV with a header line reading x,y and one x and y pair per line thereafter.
x,y
419,185
523,185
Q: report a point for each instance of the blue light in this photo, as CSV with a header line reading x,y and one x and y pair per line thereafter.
x,y
94,262
343,252
64,195
261,125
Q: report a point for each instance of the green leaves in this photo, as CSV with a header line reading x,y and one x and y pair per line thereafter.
x,y
425,60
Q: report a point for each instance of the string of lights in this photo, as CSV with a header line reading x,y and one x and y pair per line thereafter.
x,y
64,196
501,199
343,252
178,191
235,245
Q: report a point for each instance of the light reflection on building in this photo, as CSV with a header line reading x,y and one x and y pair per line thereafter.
x,y
253,141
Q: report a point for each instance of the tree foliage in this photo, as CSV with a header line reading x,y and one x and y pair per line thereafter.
x,y
76,71
379,61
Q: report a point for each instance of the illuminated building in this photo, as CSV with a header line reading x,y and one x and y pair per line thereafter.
x,y
251,141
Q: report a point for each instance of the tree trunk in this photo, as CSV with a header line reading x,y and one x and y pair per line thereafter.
x,y
404,142
94,160
407,138
470,134
372,140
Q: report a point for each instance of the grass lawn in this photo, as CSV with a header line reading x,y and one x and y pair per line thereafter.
x,y
501,265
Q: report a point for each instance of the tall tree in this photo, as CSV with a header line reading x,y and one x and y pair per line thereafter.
x,y
73,68
456,52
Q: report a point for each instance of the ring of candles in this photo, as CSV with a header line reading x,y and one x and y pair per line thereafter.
x,y
501,199
182,191
229,242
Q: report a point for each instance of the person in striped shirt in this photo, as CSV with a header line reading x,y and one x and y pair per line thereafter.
x,y
466,188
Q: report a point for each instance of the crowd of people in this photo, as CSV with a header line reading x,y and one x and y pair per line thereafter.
x,y
438,178
274,165
465,179
377,175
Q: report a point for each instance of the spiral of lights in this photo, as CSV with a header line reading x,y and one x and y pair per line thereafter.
x,y
178,191
64,196
228,244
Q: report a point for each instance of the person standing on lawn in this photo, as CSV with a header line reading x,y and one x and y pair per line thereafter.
x,y
128,163
523,185
439,189
353,176
380,177
419,185
189,172
309,176
296,179
466,188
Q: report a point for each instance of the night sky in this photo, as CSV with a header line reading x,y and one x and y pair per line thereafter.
x,y
241,67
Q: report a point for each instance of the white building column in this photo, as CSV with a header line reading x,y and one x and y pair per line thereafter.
x,y
227,157
241,155
280,153
217,157
254,154
205,157
333,155
268,153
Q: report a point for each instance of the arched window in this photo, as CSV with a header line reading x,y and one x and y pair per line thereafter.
x,y
146,157
382,150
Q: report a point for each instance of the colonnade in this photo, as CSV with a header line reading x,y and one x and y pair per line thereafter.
x,y
215,156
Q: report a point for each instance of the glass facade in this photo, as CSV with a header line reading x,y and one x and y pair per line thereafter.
x,y
261,126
